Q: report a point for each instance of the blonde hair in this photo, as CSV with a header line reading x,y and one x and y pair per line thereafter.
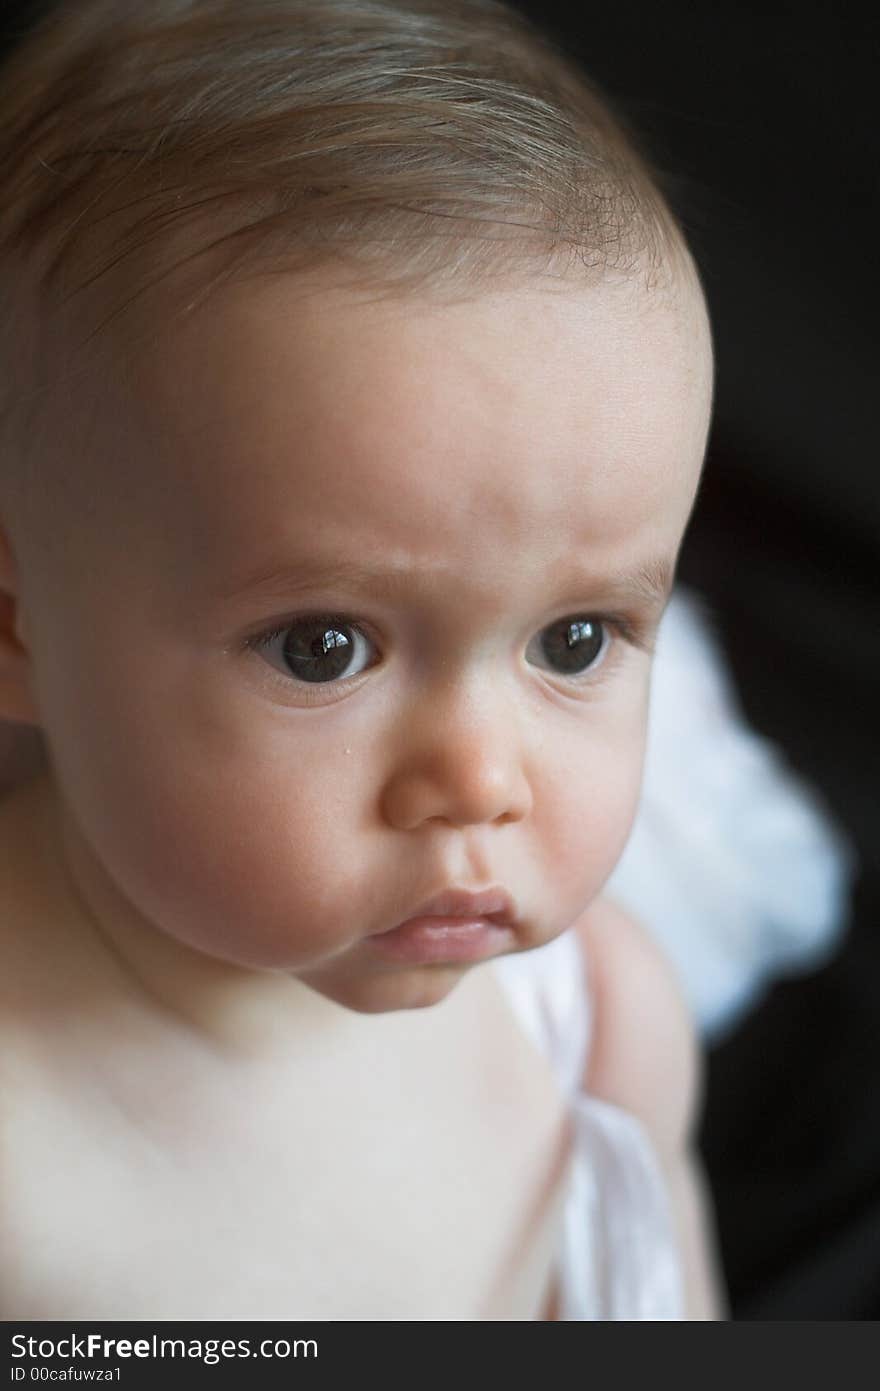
x,y
418,142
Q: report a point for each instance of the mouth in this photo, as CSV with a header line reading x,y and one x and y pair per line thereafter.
x,y
456,925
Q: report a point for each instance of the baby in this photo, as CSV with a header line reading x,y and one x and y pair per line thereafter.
x,y
356,387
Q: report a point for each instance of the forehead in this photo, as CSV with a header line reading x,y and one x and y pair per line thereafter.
x,y
282,416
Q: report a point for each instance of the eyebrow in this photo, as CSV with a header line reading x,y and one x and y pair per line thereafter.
x,y
648,583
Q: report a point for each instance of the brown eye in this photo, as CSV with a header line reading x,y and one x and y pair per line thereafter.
x,y
570,646
318,649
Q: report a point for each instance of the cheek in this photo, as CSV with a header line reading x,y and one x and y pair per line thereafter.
x,y
243,861
230,835
590,794
250,834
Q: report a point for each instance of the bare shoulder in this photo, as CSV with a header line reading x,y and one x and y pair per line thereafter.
x,y
644,1055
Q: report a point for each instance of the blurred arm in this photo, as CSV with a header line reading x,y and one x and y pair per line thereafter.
x,y
644,1058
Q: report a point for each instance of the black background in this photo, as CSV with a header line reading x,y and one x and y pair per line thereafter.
x,y
763,117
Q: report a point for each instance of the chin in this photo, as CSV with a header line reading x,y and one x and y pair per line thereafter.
x,y
386,992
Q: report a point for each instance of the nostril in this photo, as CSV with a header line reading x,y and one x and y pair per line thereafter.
x,y
457,795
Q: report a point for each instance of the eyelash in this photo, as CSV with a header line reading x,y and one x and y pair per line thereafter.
x,y
616,628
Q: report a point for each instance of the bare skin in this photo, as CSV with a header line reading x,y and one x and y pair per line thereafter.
x,y
226,1171
205,1063
141,1108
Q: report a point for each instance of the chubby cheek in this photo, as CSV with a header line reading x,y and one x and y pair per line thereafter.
x,y
247,847
242,862
584,814
258,868
250,834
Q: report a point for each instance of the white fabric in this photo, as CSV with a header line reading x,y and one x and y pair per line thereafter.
x,y
733,863
740,874
617,1258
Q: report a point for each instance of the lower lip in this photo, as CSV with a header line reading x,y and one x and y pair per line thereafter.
x,y
424,940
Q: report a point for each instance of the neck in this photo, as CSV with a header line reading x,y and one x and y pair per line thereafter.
x,y
232,1008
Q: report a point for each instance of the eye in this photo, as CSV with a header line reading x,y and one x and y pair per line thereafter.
x,y
318,649
570,646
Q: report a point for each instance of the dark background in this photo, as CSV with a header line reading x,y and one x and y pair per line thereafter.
x,y
763,116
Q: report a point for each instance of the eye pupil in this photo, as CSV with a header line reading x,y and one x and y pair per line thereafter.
x,y
321,650
331,638
318,651
572,645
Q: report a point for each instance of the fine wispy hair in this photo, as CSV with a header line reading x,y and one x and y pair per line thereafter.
x,y
416,144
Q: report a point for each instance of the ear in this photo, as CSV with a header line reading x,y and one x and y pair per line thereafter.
x,y
16,693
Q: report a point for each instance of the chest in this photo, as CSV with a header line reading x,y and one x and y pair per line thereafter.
x,y
415,1170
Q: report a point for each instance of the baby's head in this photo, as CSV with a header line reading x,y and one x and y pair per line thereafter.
x,y
357,387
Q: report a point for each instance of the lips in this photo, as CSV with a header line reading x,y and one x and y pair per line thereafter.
x,y
454,927
494,904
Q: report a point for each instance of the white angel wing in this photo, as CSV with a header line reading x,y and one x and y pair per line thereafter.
x,y
733,863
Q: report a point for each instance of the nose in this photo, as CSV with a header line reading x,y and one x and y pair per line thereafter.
x,y
458,763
